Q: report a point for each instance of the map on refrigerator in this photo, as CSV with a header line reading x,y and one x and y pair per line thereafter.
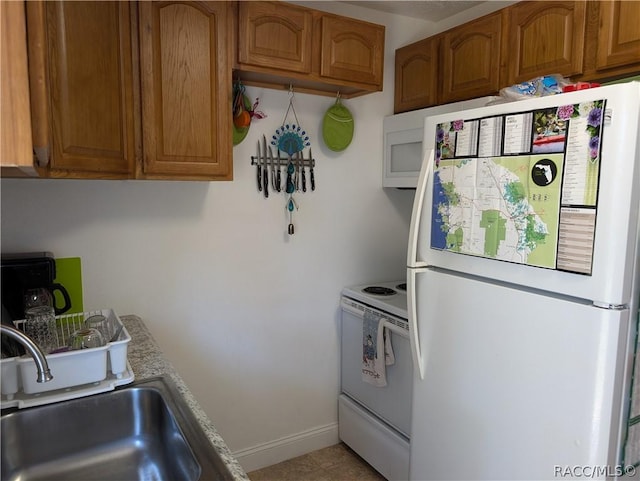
x,y
520,187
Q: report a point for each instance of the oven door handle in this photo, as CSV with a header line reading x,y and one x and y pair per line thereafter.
x,y
360,313
398,330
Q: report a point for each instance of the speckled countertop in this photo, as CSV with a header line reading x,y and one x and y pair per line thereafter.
x,y
147,361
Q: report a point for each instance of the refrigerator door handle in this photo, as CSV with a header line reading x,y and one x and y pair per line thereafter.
x,y
414,339
416,215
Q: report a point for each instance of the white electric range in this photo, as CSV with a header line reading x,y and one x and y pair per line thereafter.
x,y
376,421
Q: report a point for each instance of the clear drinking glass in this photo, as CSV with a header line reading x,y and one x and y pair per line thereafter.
x,y
40,325
101,323
86,338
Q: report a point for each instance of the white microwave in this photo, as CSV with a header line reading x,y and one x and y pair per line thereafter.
x,y
403,135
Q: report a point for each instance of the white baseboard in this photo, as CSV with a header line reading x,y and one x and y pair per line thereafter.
x,y
274,452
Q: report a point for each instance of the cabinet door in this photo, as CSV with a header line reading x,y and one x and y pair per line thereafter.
x,y
16,154
186,89
416,75
351,50
275,35
545,38
90,87
471,59
619,34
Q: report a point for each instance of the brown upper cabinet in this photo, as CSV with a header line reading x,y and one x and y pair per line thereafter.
x,y
416,75
274,36
142,90
282,45
471,60
545,38
16,152
82,88
458,64
118,93
613,49
584,41
186,90
351,51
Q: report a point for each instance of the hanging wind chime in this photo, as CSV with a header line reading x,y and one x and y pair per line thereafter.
x,y
291,139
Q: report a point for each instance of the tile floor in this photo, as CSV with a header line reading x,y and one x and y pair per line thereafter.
x,y
335,463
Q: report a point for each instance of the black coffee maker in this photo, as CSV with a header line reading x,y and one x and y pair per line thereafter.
x,y
22,272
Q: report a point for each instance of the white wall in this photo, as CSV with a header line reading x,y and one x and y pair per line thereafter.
x,y
247,314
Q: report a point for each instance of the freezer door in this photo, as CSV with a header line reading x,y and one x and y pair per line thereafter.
x,y
517,385
489,216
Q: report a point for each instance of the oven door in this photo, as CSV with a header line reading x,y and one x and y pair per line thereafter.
x,y
391,403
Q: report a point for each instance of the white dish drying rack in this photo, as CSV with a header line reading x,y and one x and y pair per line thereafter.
x,y
75,373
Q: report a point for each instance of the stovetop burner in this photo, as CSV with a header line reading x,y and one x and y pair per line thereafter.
x,y
380,295
379,291
402,287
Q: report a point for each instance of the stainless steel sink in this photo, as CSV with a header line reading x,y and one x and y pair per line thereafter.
x,y
144,431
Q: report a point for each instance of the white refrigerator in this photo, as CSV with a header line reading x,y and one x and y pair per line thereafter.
x,y
522,287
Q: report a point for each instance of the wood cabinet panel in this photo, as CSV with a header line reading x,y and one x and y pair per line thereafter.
x,y
618,34
282,45
545,38
16,154
90,87
594,40
416,75
275,37
351,51
186,84
471,59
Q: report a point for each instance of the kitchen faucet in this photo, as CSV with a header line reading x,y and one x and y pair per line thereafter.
x,y
44,374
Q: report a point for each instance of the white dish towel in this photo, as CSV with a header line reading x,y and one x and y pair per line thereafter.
x,y
377,352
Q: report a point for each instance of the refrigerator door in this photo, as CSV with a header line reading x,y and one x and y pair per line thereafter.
x,y
486,226
517,385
